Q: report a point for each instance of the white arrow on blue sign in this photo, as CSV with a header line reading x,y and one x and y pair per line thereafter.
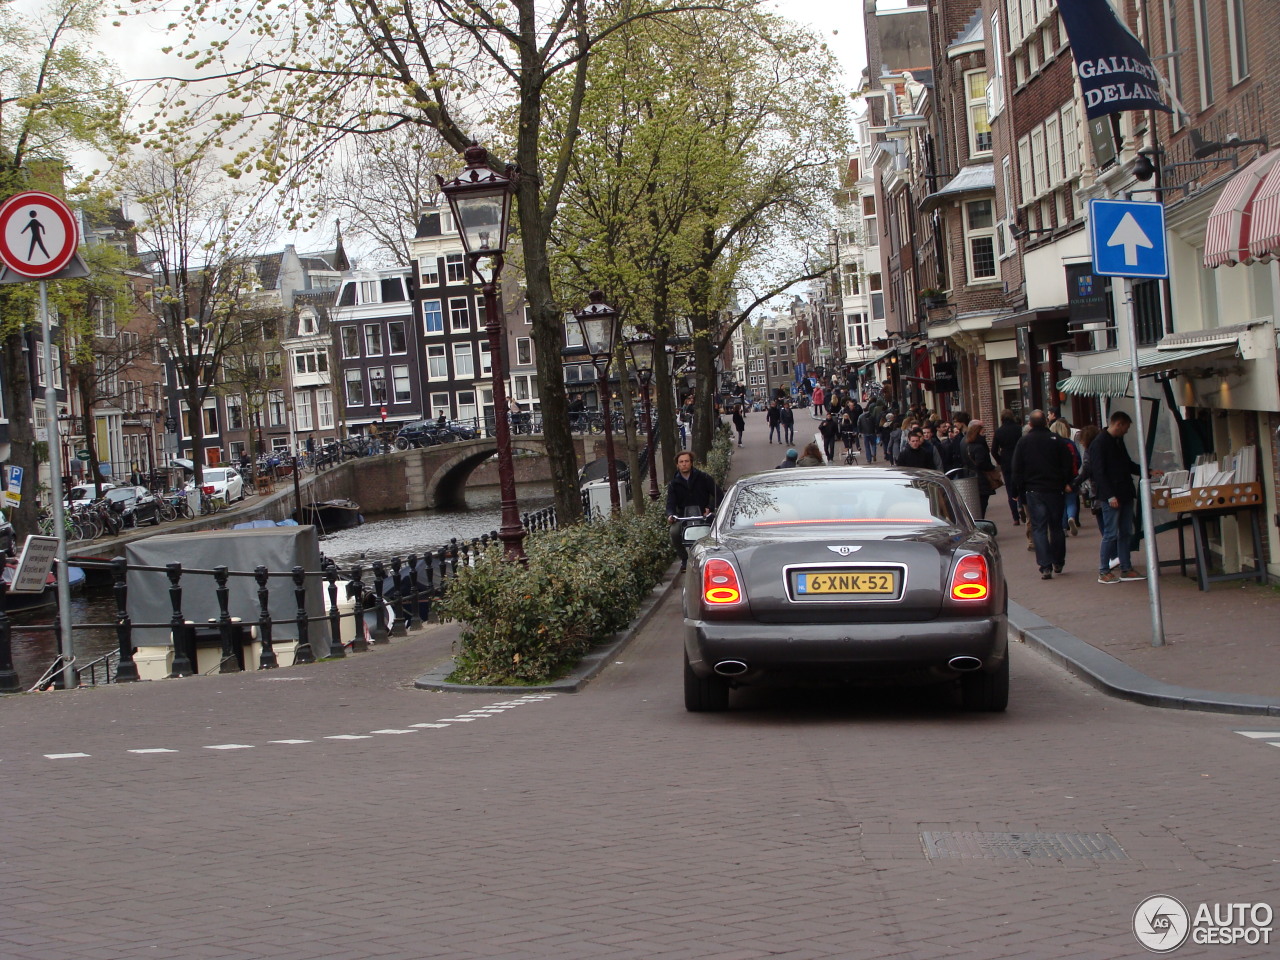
x,y
1128,239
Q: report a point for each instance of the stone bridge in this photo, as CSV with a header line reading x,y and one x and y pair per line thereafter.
x,y
426,477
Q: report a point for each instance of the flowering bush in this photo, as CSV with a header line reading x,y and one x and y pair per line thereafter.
x,y
530,624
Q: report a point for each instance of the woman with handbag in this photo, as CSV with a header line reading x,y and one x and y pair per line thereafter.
x,y
977,457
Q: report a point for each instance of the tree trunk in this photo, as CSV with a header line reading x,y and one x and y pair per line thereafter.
x,y
548,316
22,447
631,437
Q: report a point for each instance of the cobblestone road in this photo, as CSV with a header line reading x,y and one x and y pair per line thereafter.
x,y
334,812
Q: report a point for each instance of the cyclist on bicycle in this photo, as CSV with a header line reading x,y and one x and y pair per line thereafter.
x,y
849,431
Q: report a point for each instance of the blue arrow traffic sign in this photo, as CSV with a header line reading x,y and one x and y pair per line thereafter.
x,y
1128,239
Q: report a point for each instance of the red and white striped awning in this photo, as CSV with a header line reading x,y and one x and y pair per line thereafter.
x,y
1228,235
1264,228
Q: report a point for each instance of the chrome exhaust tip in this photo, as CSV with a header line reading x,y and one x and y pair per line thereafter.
x,y
730,668
965,664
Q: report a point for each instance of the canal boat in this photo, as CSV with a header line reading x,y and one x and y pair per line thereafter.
x,y
45,598
330,515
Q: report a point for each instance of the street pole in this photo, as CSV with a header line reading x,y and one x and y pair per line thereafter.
x,y
651,436
511,533
1144,485
69,679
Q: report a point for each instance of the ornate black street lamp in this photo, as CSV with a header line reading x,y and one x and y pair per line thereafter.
x,y
480,198
641,350
599,324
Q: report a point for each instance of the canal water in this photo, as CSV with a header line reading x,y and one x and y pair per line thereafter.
x,y
34,649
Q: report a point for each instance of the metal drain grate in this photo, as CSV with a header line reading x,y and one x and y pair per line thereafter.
x,y
970,844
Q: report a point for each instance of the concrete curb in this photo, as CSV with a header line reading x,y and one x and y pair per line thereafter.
x,y
587,668
1116,678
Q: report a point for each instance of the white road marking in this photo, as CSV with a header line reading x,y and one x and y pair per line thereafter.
x,y
1260,734
480,713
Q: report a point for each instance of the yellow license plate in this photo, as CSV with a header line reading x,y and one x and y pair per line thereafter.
x,y
825,583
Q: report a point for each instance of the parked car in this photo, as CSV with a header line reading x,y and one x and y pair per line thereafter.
x,y
225,482
135,505
83,493
827,575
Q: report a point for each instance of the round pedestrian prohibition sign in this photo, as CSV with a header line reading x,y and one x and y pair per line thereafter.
x,y
38,234
1161,923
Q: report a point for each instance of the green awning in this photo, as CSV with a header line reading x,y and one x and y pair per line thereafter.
x,y
1096,384
1113,379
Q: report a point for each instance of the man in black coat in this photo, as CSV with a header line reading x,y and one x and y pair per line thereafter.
x,y
1042,474
1112,471
1002,445
916,453
691,493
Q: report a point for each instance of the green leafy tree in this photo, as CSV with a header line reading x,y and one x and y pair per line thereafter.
x,y
90,310
200,234
707,151
319,71
56,97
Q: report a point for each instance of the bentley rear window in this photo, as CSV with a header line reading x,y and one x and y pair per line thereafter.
x,y
841,502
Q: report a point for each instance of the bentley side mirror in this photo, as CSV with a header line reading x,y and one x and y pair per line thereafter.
x,y
693,532
986,526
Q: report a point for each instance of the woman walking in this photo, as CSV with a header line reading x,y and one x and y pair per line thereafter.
x,y
977,457
739,422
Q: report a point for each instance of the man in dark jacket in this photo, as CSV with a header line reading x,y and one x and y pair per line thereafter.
x,y
1112,470
787,417
773,416
691,493
869,427
1002,445
1042,474
916,453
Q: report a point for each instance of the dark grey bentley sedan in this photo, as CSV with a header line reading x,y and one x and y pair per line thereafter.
x,y
823,575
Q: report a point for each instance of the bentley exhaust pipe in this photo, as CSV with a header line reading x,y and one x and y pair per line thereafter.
x,y
730,668
965,664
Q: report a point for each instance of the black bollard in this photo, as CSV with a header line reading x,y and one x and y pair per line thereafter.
x,y
358,642
267,653
413,616
304,653
381,635
400,625
126,668
178,631
337,649
9,682
230,662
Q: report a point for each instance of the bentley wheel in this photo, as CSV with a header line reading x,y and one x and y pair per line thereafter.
x,y
986,692
710,695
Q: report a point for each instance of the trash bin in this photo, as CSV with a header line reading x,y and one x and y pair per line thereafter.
x,y
966,484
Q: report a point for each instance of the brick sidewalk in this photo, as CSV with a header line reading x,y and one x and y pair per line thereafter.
x,y
1225,639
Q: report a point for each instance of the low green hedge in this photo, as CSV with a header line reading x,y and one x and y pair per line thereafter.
x,y
530,624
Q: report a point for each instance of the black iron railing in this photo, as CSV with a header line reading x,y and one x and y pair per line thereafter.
x,y
389,597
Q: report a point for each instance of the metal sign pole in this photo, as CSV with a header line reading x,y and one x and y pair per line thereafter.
x,y
55,486
1144,486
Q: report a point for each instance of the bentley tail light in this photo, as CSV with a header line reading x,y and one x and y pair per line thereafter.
x,y
971,579
720,583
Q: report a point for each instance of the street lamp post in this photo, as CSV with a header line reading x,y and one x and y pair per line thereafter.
x,y
641,349
599,324
480,200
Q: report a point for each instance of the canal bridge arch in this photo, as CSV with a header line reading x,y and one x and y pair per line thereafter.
x,y
447,467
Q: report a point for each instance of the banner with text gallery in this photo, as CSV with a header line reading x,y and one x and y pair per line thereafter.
x,y
1115,69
